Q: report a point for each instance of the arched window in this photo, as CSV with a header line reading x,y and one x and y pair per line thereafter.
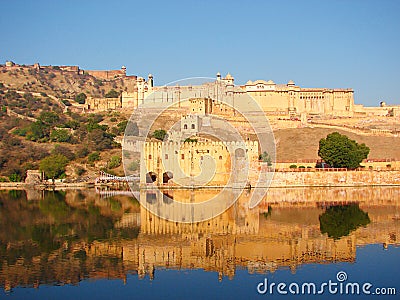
x,y
193,126
185,126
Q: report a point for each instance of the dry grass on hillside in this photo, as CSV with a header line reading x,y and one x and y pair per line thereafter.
x,y
302,143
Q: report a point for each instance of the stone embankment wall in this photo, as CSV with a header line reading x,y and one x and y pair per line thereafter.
x,y
337,178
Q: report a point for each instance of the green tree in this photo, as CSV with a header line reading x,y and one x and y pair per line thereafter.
x,y
95,156
66,102
35,132
159,134
114,162
15,177
81,98
112,94
121,126
341,152
54,165
60,135
48,118
264,157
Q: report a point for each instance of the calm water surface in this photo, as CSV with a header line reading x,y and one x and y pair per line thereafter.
x,y
80,244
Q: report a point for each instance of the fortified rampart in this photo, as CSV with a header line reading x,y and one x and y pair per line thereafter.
x,y
185,162
335,178
107,75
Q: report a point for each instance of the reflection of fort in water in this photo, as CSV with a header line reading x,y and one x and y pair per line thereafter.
x,y
283,231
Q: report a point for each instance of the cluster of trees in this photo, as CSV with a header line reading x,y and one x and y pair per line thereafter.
x,y
79,136
40,130
79,130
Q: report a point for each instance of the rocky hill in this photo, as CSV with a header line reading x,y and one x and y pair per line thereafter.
x,y
33,128
60,83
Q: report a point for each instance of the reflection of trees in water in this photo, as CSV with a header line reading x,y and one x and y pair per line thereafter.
x,y
339,221
28,229
268,213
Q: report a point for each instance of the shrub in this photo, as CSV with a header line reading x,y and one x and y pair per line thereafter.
x,y
293,166
114,162
81,98
28,97
159,134
14,177
80,171
66,102
94,156
82,152
265,157
48,117
112,94
60,135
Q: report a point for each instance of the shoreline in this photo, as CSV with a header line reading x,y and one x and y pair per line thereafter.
x,y
23,186
295,179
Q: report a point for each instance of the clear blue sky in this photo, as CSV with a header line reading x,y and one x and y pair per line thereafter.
x,y
335,44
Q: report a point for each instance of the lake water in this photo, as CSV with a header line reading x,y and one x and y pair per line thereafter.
x,y
79,244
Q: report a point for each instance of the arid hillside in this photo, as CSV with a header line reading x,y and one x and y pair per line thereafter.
x,y
302,143
62,84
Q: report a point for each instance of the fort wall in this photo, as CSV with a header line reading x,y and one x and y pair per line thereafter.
x,y
107,75
335,178
93,103
185,161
